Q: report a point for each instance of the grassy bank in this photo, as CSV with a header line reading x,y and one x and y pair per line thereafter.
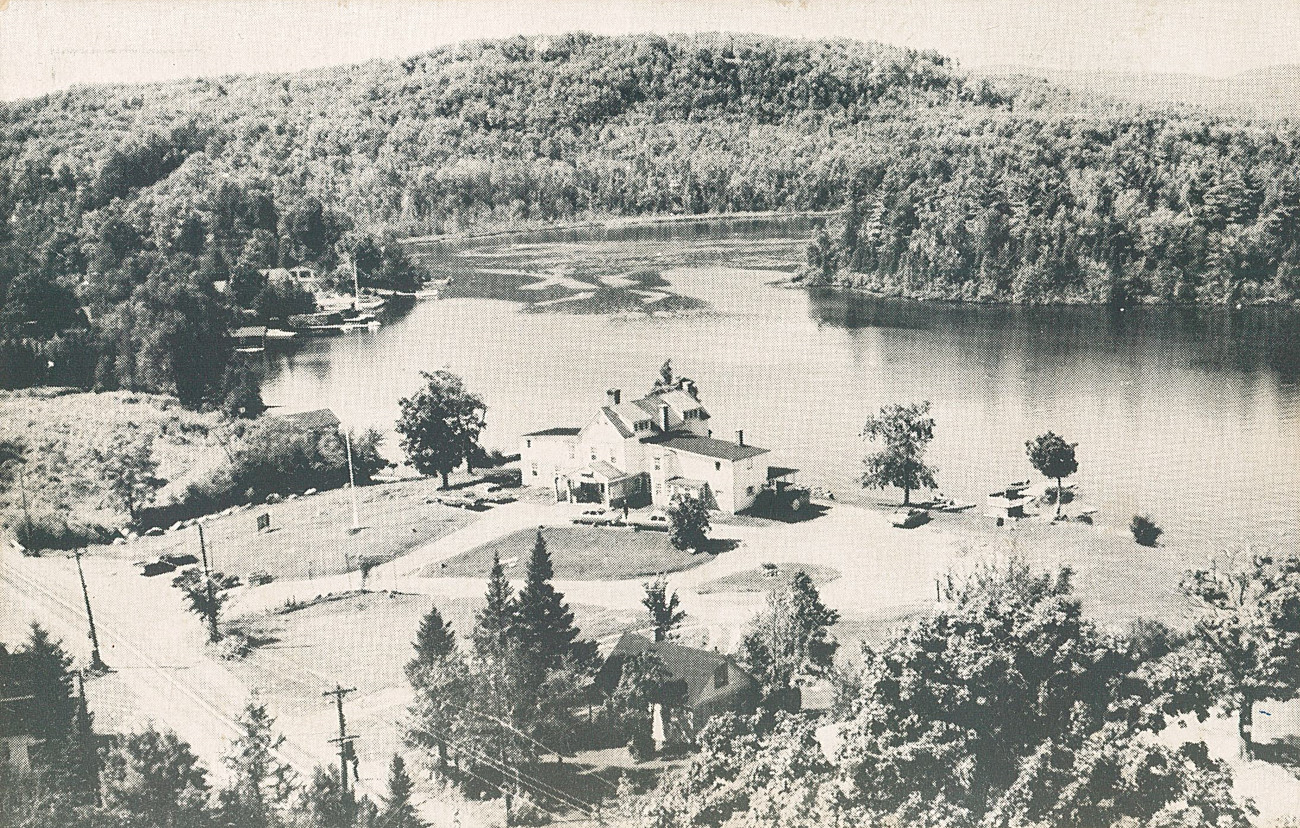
x,y
61,427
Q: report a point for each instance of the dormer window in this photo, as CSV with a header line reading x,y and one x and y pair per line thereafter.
x,y
642,425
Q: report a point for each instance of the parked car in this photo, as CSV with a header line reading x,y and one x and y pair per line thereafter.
x,y
909,518
179,560
599,517
653,522
158,567
493,493
465,501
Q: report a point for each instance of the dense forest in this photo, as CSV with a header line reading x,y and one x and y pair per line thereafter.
x,y
120,206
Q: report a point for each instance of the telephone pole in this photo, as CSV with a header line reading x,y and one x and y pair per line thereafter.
x,y
346,751
213,633
97,664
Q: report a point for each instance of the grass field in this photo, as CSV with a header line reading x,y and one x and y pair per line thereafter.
x,y
760,580
578,553
310,536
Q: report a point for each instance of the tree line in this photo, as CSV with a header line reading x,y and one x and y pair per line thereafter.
x,y
120,205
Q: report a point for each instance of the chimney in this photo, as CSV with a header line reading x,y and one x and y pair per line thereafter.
x,y
740,437
663,417
615,396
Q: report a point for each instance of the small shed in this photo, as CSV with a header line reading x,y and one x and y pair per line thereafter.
x,y
250,338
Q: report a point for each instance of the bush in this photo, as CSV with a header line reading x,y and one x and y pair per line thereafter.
x,y
641,745
1145,530
688,518
53,532
278,456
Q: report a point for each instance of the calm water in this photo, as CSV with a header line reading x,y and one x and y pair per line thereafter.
x,y
1190,415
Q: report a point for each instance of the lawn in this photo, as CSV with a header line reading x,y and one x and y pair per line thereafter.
x,y
309,536
578,553
760,579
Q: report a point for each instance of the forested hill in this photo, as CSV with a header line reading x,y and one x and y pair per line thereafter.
x,y
128,201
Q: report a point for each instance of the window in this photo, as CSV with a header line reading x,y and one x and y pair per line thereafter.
x,y
720,677
593,452
717,465
573,451
658,462
528,443
534,470
749,490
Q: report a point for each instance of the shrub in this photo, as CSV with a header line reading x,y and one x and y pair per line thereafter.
x,y
53,532
1145,530
688,518
278,456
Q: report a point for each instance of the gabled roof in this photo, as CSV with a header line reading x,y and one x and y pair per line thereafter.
x,y
318,420
608,471
679,400
629,414
706,446
562,431
692,665
617,422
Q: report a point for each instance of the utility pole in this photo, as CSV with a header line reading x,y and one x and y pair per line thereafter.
x,y
352,484
345,748
22,487
97,664
213,634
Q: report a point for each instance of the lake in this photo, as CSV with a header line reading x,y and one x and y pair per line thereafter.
x,y
1190,415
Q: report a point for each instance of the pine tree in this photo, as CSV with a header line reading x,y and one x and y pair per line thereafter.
x,y
434,641
262,786
495,622
398,811
543,620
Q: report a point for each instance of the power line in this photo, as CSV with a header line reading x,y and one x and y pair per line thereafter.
x,y
536,786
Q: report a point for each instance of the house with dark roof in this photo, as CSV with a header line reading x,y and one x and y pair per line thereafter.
x,y
645,451
713,682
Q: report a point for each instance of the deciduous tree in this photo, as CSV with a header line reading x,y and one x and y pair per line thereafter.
x,y
688,522
1054,458
440,424
662,606
153,778
905,432
790,643
129,471
1248,630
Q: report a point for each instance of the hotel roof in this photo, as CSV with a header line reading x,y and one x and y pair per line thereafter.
x,y
706,446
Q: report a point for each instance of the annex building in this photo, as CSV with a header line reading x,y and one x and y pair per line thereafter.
x,y
644,452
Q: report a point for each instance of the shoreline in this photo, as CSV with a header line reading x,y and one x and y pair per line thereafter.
x,y
795,283
622,223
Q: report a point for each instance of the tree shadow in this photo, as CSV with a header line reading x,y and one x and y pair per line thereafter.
x,y
716,546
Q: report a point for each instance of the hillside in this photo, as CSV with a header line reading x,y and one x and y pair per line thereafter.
x,y
121,205
1263,94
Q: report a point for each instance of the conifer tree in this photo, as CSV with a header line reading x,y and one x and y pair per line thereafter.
x,y
543,620
434,641
495,622
398,811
